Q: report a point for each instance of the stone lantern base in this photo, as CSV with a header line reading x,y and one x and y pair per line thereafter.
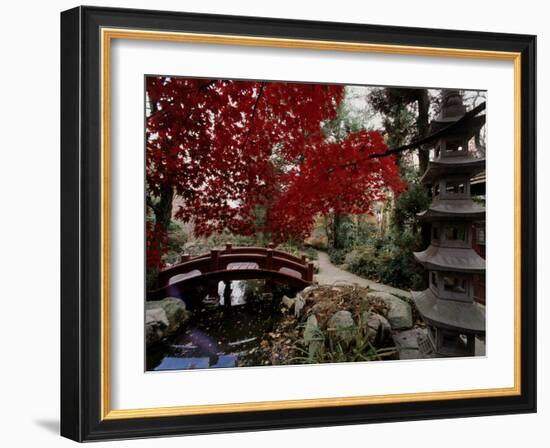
x,y
452,325
450,343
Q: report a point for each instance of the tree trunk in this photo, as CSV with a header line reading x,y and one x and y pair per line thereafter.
x,y
422,127
341,235
163,216
163,208
423,153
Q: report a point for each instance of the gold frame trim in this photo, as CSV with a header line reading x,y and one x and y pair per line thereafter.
x,y
107,35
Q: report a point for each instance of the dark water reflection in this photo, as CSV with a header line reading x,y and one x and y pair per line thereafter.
x,y
217,336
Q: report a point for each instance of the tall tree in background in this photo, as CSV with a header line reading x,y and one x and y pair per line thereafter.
x,y
354,117
405,116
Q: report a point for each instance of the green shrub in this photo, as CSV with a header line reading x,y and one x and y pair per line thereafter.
x,y
345,232
310,252
410,202
177,238
364,232
390,260
364,261
220,239
298,250
337,256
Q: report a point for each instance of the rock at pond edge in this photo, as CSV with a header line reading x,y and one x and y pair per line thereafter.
x,y
163,318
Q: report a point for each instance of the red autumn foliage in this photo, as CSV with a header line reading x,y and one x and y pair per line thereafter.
x,y
334,177
226,147
156,243
212,141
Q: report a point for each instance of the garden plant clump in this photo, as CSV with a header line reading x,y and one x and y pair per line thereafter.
x,y
364,336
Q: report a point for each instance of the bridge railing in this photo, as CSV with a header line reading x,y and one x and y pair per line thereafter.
x,y
269,259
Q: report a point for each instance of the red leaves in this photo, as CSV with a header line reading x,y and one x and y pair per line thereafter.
x,y
156,244
334,177
213,140
229,146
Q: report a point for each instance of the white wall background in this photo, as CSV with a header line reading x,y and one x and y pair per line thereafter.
x,y
29,220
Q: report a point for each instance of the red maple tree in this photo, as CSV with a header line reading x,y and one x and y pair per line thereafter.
x,y
338,178
226,147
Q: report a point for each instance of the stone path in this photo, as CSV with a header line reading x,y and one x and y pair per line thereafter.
x,y
330,274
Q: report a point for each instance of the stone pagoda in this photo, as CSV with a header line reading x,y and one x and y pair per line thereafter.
x,y
452,317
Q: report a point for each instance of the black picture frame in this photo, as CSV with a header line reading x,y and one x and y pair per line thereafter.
x,y
81,381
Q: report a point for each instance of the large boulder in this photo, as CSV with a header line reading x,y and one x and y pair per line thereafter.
x,y
155,324
163,318
377,327
400,313
344,326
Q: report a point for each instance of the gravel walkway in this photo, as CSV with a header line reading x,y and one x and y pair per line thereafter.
x,y
330,274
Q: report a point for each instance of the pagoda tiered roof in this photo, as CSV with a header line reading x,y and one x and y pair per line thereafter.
x,y
454,315
467,129
455,259
453,209
457,166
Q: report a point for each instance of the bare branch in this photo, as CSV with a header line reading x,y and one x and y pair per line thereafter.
x,y
253,113
430,138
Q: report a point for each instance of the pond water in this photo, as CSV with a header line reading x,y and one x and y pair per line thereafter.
x,y
217,336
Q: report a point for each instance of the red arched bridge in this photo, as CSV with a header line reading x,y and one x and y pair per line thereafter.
x,y
233,263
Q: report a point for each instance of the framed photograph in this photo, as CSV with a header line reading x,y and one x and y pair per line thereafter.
x,y
275,224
